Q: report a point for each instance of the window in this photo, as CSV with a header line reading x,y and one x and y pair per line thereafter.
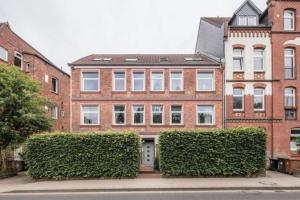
x,y
176,81
3,54
54,85
247,20
289,63
157,114
119,115
90,81
259,99
138,83
289,20
238,59
205,81
157,81
258,59
18,59
238,99
138,114
176,114
119,83
54,112
289,99
290,103
295,137
205,115
90,115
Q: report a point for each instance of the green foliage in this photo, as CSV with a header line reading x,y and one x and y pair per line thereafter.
x,y
226,152
62,155
21,107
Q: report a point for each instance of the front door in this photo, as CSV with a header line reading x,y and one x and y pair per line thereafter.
x,y
148,153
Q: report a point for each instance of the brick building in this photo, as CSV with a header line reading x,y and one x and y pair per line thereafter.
x,y
260,52
55,83
146,94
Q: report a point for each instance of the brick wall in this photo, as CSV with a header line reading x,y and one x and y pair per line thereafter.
x,y
106,98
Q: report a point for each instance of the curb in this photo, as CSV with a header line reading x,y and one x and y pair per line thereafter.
x,y
152,189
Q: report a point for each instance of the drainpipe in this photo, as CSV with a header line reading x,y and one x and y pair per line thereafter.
x,y
223,96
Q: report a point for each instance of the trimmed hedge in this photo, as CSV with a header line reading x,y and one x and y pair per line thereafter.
x,y
66,155
224,152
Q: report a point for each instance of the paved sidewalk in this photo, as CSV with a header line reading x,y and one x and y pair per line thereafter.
x,y
273,181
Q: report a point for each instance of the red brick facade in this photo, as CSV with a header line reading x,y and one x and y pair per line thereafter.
x,y
106,98
38,67
282,39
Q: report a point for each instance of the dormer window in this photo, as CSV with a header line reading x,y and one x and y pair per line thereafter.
x,y
247,20
289,20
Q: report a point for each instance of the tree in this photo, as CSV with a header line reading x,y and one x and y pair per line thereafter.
x,y
21,108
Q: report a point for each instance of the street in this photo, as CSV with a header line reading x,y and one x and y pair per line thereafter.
x,y
178,195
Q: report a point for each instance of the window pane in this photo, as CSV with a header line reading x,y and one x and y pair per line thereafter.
x,y
157,75
54,112
157,84
119,85
3,54
90,108
138,75
237,91
138,83
119,118
176,118
252,21
119,75
90,74
205,114
176,75
176,85
205,81
90,118
120,108
175,108
138,108
54,84
90,85
157,108
138,118
157,118
242,20
237,102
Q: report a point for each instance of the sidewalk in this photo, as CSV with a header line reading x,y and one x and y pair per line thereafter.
x,y
273,181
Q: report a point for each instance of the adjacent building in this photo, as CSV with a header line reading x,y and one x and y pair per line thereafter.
x,y
146,94
55,83
259,50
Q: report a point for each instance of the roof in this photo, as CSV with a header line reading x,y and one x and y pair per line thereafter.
x,y
145,60
216,21
31,50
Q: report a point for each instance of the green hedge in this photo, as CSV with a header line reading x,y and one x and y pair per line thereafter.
x,y
226,152
65,155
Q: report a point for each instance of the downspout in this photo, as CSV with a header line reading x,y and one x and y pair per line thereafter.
x,y
224,97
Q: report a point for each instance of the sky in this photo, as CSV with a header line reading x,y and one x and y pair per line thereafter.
x,y
66,30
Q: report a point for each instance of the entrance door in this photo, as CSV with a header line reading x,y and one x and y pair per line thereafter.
x,y
148,154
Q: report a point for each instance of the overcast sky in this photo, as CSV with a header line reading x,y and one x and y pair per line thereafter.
x,y
66,30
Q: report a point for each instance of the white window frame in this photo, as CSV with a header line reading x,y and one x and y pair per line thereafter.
x,y
290,95
114,80
292,17
240,56
56,85
289,56
213,115
82,114
6,54
182,114
182,80
82,80
198,79
56,112
114,113
259,56
132,115
163,114
260,95
152,80
243,99
132,80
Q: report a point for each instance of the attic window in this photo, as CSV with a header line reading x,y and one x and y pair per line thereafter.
x,y
193,59
131,59
163,59
102,59
247,20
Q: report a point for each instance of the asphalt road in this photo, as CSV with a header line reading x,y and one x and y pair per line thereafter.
x,y
178,195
